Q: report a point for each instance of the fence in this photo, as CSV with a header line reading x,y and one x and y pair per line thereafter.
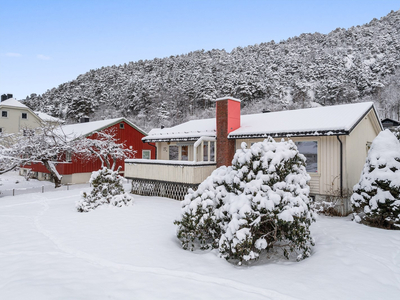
x,y
49,188
39,189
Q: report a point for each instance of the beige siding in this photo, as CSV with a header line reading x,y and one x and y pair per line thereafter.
x,y
162,150
356,148
172,173
328,162
14,122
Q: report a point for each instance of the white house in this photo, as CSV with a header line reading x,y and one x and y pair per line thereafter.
x,y
16,116
334,139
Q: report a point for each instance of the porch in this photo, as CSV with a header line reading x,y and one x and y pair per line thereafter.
x,y
166,178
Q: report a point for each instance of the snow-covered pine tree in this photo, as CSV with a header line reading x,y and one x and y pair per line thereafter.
x,y
107,189
376,198
259,203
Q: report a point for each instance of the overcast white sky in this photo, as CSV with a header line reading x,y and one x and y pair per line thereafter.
x,y
46,43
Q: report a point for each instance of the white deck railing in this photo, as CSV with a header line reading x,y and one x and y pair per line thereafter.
x,y
169,170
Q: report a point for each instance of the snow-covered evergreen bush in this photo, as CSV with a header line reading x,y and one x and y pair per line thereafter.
x,y
107,189
260,202
376,198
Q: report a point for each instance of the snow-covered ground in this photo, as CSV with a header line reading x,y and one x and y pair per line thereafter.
x,y
50,251
12,180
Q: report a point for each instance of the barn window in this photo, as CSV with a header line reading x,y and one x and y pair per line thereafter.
x,y
68,156
173,152
24,116
4,114
121,125
146,154
310,151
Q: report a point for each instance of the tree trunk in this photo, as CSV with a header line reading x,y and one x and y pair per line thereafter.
x,y
53,171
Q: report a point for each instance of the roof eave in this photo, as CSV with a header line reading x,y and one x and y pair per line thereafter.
x,y
177,139
289,134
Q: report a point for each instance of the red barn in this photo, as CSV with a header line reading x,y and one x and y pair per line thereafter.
x,y
74,169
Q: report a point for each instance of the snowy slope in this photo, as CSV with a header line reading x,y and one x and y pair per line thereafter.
x,y
49,251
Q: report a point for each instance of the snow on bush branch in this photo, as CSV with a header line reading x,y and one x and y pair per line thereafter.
x,y
376,198
259,203
107,190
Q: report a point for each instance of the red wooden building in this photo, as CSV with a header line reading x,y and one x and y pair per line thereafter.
x,y
74,169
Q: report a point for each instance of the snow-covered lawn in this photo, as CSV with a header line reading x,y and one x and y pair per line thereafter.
x,y
50,251
12,180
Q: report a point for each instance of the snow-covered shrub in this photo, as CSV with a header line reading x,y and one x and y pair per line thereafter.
x,y
260,202
107,189
376,198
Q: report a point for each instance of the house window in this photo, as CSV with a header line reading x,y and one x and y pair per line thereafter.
x,y
146,154
4,114
310,151
212,151
121,125
24,116
184,152
1,130
173,152
205,151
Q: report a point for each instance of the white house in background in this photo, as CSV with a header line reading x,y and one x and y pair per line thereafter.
x,y
334,139
16,116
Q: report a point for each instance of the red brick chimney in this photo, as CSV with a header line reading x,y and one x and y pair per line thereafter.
x,y
228,120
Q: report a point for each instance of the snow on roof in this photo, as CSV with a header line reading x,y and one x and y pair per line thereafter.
x,y
191,130
47,118
325,120
83,129
12,102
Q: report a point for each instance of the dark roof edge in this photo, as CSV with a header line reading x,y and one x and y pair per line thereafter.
x,y
290,134
149,140
366,113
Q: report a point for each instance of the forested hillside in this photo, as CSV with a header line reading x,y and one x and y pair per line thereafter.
x,y
357,64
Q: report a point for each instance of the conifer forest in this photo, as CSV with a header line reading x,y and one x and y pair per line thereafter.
x,y
361,63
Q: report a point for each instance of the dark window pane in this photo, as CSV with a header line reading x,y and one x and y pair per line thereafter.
x,y
205,151
24,116
310,151
4,114
173,152
212,151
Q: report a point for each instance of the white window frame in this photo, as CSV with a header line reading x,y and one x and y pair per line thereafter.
x,y
6,111
148,154
208,151
68,156
23,117
318,154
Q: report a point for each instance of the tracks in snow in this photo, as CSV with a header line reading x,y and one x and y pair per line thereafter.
x,y
97,261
